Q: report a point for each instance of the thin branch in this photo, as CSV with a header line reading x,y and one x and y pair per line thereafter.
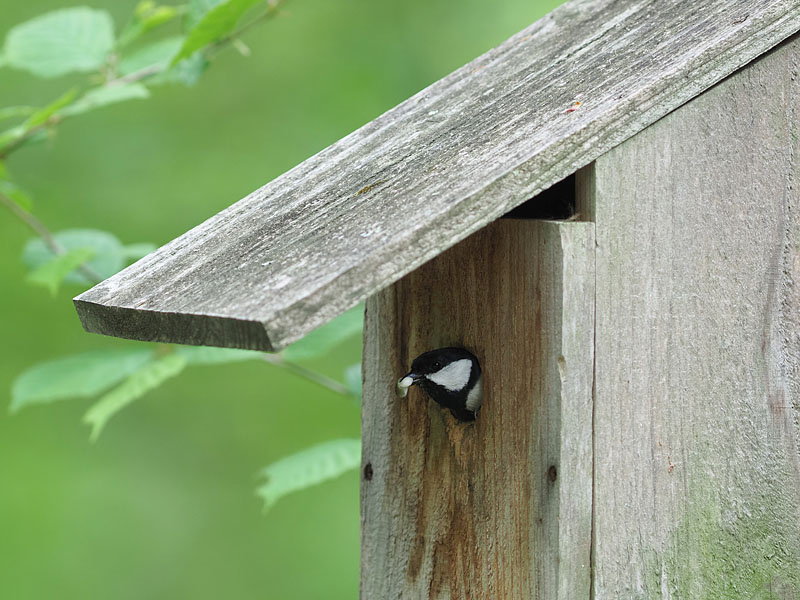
x,y
273,8
135,76
16,143
313,376
43,232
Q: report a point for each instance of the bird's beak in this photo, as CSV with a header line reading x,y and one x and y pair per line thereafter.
x,y
406,382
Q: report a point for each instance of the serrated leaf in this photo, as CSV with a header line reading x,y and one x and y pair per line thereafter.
x,y
133,252
323,339
156,54
148,377
105,95
42,115
53,272
309,467
13,112
60,42
204,355
214,25
78,376
108,257
352,379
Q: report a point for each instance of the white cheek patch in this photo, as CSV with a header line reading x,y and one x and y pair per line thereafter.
x,y
475,396
454,376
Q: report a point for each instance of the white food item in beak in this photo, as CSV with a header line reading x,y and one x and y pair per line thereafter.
x,y
402,386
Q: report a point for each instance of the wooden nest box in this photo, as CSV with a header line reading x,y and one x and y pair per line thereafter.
x,y
640,432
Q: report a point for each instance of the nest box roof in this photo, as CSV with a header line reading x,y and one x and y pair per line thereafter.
x,y
405,187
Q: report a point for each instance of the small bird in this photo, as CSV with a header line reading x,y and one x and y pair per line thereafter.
x,y
451,377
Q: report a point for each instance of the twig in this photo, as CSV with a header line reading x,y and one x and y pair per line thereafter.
x,y
135,76
16,143
43,232
271,12
318,378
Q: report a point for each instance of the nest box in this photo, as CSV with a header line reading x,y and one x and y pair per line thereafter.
x,y
605,209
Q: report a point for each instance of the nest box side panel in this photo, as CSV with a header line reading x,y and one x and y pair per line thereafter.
x,y
500,508
697,403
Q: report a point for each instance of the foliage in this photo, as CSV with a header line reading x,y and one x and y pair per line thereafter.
x,y
152,49
149,376
309,467
60,42
77,376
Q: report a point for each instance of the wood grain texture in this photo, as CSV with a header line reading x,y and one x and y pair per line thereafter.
x,y
389,197
697,404
500,508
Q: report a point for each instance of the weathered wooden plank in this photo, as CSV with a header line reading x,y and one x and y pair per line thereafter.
x,y
697,403
500,508
413,182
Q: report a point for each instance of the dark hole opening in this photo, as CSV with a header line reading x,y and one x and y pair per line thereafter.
x,y
555,203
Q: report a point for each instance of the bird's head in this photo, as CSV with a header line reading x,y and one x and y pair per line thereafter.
x,y
450,376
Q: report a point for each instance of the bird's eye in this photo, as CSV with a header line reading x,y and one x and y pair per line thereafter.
x,y
437,365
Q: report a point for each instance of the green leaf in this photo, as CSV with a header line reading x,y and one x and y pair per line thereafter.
x,y
133,252
19,196
352,379
156,54
108,259
60,42
102,96
214,25
78,376
320,341
204,355
187,72
13,112
197,9
146,16
148,377
12,191
10,136
309,467
53,272
41,116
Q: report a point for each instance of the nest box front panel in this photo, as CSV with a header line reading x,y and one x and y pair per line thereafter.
x,y
486,508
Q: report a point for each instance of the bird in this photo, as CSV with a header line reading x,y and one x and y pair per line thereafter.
x,y
451,377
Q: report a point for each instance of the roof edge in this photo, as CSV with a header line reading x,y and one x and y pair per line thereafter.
x,y
172,327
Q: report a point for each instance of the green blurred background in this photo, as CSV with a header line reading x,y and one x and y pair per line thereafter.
x,y
163,505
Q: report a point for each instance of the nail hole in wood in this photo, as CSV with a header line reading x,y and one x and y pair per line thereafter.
x,y
368,471
552,473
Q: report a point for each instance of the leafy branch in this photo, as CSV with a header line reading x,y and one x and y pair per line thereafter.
x,y
126,67
82,40
44,233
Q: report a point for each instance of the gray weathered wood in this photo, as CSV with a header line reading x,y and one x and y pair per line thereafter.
x,y
697,404
451,510
413,182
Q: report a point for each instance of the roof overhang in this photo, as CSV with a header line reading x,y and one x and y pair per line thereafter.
x,y
423,176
